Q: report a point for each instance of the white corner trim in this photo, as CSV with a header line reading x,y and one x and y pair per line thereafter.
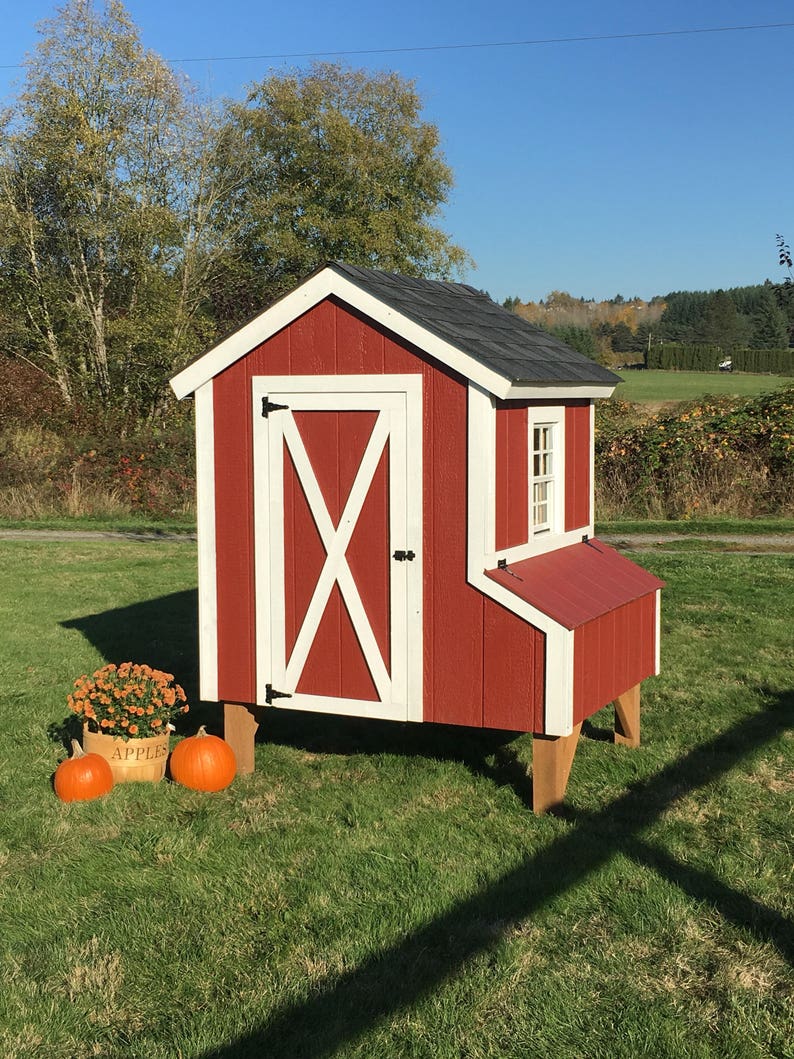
x,y
658,668
205,519
558,714
591,517
481,535
314,290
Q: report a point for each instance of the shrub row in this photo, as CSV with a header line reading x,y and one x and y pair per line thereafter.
x,y
719,456
147,471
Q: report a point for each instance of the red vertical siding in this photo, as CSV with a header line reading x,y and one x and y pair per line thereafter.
x,y
466,637
335,665
369,559
577,464
512,475
513,671
612,654
234,520
456,658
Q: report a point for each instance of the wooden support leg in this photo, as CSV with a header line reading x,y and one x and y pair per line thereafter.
x,y
239,729
552,757
627,717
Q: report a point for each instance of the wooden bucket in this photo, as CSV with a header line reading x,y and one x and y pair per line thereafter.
x,y
133,760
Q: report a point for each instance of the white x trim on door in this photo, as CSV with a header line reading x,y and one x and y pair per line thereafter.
x,y
397,401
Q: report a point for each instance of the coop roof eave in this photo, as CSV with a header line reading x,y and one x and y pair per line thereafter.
x,y
455,324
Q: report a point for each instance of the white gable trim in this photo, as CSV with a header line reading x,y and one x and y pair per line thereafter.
x,y
329,282
311,293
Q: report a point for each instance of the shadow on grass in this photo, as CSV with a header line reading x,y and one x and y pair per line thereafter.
x,y
403,974
161,632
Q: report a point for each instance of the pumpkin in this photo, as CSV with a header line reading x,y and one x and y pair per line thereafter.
x,y
82,776
203,762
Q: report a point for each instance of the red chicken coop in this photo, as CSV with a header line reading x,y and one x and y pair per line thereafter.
x,y
395,520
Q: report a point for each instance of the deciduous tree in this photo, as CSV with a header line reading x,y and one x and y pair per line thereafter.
x,y
104,206
333,163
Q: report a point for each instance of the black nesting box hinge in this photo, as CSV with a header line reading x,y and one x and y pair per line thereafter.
x,y
271,693
501,564
271,406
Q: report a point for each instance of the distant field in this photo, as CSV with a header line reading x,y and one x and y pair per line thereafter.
x,y
687,385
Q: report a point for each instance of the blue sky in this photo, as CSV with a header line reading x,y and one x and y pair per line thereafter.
x,y
634,166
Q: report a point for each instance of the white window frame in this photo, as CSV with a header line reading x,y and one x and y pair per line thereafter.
x,y
552,420
483,552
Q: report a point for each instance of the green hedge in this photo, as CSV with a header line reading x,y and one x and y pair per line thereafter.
x,y
675,356
774,361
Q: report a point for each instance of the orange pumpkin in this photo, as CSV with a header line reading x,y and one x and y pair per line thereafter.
x,y
203,762
82,776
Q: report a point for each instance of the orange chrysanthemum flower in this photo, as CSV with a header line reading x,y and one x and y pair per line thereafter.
x,y
146,697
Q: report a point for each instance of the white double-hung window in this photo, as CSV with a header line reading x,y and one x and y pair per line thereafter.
x,y
542,485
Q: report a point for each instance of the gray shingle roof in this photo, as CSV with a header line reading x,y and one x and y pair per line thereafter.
x,y
477,326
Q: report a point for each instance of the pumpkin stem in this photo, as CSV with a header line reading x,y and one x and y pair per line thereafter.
x,y
202,731
77,751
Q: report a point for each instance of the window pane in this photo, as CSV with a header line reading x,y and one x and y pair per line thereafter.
x,y
542,465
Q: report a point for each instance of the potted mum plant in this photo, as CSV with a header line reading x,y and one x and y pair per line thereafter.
x,y
127,712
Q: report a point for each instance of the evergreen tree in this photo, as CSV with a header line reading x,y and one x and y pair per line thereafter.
x,y
581,339
622,338
770,326
720,324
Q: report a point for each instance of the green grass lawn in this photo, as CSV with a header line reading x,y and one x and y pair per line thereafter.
x,y
380,890
642,386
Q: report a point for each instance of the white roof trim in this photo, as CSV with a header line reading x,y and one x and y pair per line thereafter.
x,y
558,391
310,293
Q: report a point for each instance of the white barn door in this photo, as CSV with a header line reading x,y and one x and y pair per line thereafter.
x,y
338,529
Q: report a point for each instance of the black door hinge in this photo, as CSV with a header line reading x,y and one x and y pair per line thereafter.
x,y
402,556
271,693
270,406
